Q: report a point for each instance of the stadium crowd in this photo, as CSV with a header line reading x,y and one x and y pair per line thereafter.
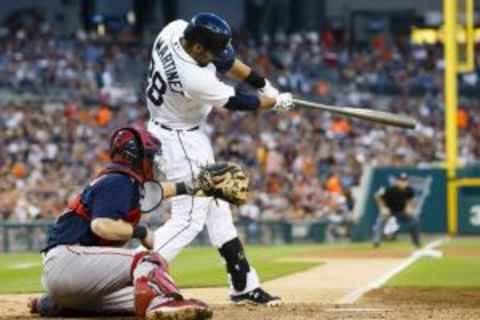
x,y
63,95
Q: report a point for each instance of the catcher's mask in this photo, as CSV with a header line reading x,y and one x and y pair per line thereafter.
x,y
140,150
136,148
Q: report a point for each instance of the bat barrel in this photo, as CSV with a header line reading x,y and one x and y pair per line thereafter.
x,y
383,117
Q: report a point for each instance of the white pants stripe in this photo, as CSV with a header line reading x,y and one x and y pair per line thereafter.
x,y
183,154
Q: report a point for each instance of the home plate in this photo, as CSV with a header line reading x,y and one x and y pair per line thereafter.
x,y
356,310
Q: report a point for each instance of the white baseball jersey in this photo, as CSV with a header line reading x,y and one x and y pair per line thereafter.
x,y
180,93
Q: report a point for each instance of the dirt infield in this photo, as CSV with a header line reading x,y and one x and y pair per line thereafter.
x,y
314,294
388,304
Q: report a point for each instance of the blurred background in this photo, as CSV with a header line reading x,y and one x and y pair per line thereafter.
x,y
71,71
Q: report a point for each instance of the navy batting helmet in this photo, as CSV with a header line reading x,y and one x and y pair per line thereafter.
x,y
212,32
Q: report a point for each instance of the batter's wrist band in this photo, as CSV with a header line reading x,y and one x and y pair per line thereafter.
x,y
255,80
181,188
139,232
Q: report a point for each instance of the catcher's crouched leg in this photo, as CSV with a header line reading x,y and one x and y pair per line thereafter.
x,y
156,294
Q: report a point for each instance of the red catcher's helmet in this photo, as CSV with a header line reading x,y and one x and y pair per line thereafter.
x,y
136,148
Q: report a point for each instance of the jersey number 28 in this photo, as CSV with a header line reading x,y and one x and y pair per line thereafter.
x,y
156,86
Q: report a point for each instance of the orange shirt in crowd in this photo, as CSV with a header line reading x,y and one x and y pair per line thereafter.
x,y
19,170
322,88
462,118
84,116
341,126
262,156
104,156
104,116
334,185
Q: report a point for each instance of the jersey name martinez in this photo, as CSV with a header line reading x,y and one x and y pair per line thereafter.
x,y
157,86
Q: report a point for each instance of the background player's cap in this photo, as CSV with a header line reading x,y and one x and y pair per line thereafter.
x,y
402,176
211,31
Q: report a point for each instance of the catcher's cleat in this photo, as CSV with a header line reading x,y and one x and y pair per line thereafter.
x,y
188,309
44,306
257,296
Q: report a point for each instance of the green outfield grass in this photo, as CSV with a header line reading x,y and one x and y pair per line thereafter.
x,y
451,271
197,266
194,267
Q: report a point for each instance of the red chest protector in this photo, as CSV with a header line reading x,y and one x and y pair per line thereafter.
x,y
76,206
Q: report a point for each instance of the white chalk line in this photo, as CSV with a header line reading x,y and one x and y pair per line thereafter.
x,y
25,265
359,310
428,250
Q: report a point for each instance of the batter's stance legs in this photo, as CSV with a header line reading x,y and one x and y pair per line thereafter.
x,y
244,281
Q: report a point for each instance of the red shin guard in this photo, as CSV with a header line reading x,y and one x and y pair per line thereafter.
x,y
157,283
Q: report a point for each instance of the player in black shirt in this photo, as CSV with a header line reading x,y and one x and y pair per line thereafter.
x,y
397,201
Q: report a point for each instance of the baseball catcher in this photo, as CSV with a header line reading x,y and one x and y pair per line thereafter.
x,y
84,269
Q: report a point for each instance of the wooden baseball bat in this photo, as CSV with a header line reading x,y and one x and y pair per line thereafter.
x,y
383,117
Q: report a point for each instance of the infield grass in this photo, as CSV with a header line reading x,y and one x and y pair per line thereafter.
x,y
194,267
454,270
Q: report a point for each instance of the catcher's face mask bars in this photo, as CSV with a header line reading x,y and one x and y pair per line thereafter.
x,y
152,192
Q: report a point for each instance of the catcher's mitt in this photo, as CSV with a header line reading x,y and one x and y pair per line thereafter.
x,y
224,180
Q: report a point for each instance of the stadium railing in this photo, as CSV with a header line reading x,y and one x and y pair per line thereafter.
x,y
32,236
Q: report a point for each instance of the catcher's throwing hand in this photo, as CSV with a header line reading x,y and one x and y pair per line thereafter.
x,y
224,180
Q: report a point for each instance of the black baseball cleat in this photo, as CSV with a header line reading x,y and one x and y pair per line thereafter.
x,y
257,296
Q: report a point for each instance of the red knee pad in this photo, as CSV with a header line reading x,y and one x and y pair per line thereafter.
x,y
152,257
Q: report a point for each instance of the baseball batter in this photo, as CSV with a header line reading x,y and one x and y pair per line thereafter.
x,y
84,270
182,89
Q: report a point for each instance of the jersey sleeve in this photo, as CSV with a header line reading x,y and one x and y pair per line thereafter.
x,y
113,197
208,89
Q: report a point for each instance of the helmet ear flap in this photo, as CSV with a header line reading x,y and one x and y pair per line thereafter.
x,y
189,32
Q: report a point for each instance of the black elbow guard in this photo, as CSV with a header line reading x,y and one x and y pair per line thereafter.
x,y
255,80
243,102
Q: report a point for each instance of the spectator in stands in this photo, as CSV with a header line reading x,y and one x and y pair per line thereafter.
x,y
62,95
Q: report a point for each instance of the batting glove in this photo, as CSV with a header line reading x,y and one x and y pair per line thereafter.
x,y
268,90
284,102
